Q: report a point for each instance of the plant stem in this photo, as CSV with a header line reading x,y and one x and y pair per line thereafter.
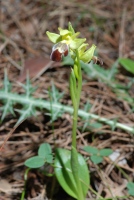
x,y
79,80
76,89
76,107
25,180
74,128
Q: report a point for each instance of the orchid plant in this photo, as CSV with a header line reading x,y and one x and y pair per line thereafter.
x,y
70,167
67,42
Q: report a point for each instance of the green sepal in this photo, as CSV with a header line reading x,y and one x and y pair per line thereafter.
x,y
82,49
70,28
53,37
87,56
75,35
76,43
64,32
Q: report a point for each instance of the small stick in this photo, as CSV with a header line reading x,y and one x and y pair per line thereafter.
x,y
8,136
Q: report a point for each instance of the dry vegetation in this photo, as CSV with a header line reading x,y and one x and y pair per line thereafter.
x,y
108,24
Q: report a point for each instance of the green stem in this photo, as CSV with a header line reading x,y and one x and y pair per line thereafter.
x,y
123,172
74,129
76,107
79,80
76,89
25,180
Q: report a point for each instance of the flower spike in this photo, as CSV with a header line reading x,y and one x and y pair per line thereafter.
x,y
67,41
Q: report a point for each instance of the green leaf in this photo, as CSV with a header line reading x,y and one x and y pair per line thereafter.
x,y
96,159
55,94
49,158
130,187
96,125
106,152
25,112
8,108
34,162
64,174
128,64
91,150
29,89
87,106
44,150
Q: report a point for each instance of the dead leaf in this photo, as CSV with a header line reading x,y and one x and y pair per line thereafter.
x,y
35,67
116,190
39,197
7,187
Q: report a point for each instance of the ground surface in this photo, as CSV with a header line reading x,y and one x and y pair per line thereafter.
x,y
109,25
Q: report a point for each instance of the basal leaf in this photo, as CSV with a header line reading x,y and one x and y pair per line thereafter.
x,y
64,174
128,64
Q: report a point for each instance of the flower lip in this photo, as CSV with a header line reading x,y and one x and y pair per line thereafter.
x,y
58,51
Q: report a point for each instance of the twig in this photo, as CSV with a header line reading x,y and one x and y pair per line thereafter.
x,y
9,135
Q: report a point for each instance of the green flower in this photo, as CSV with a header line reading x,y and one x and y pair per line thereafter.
x,y
67,41
86,55
68,37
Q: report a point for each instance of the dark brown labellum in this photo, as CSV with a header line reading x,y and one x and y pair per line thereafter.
x,y
56,56
58,51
